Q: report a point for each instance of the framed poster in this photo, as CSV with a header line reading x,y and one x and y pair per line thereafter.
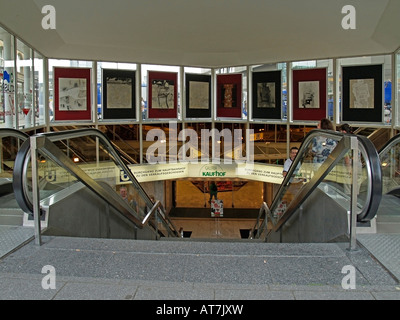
x,y
119,94
362,93
162,94
198,95
309,94
229,96
217,208
72,99
267,95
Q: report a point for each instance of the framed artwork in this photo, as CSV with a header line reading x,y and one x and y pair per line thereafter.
x,y
362,93
309,94
119,94
72,99
162,94
229,96
198,95
267,95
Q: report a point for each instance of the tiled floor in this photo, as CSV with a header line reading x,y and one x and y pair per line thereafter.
x,y
13,236
191,270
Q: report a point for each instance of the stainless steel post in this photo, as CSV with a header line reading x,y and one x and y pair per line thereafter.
x,y
354,193
35,191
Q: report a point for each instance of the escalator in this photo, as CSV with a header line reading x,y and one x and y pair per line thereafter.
x,y
13,232
378,136
79,198
314,202
10,142
388,215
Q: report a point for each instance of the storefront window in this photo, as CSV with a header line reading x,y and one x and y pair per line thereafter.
x,y
7,80
24,79
39,90
398,89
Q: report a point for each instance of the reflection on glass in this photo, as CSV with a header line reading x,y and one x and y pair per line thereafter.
x,y
337,184
99,166
390,161
24,76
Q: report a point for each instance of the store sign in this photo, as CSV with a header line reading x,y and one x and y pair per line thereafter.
x,y
212,170
170,171
259,172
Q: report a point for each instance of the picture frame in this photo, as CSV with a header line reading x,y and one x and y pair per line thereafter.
x,y
198,95
362,93
309,94
118,94
229,95
162,95
267,95
72,94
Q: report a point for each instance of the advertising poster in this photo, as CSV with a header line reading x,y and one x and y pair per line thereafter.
x,y
217,208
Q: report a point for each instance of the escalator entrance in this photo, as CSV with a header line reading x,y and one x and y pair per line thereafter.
x,y
227,215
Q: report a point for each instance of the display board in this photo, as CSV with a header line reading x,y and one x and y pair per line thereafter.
x,y
198,95
72,98
362,93
119,94
229,95
267,95
309,94
162,95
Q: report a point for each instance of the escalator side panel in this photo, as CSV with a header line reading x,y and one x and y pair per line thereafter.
x,y
85,214
320,219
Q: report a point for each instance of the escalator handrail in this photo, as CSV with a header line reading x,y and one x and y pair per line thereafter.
x,y
373,169
6,132
78,133
374,173
335,156
300,155
393,141
375,184
23,157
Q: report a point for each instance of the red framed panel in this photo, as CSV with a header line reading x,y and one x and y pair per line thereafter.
x,y
229,96
72,98
163,94
309,94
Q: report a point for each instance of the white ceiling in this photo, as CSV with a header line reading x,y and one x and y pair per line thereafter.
x,y
205,33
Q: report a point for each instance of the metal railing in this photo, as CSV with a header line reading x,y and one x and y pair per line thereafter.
x,y
345,143
43,144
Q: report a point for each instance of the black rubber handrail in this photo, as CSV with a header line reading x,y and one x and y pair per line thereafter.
x,y
23,157
372,163
6,132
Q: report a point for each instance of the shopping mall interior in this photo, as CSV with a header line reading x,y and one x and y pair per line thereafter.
x,y
189,97
200,150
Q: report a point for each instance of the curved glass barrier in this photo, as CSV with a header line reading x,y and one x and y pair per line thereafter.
x,y
390,161
86,156
325,161
10,142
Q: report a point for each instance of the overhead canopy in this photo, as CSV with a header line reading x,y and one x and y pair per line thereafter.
x,y
205,33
